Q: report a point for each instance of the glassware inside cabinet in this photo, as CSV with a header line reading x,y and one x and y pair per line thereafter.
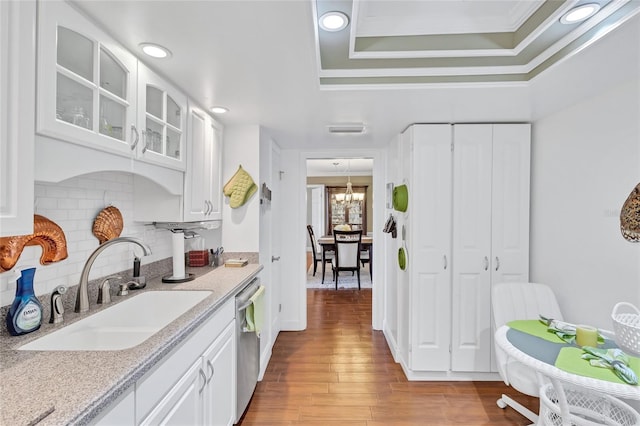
x,y
75,53
74,102
112,118
153,136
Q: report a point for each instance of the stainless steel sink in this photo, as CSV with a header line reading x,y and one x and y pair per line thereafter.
x,y
121,326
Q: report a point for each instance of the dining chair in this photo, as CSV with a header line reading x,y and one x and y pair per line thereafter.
x,y
365,257
317,253
520,301
347,256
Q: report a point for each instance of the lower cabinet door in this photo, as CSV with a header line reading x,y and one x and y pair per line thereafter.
x,y
220,393
183,404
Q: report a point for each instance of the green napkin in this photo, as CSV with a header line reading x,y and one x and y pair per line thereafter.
x,y
564,330
570,360
613,359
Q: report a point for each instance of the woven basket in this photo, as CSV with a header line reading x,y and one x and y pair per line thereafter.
x,y
627,328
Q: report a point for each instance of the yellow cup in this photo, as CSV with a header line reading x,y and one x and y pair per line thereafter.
x,y
586,336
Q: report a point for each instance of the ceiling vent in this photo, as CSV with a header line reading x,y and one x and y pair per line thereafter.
x,y
346,128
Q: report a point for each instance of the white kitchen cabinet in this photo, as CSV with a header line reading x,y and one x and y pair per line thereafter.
x,y
219,400
467,227
17,95
183,404
203,187
86,82
162,112
95,93
185,387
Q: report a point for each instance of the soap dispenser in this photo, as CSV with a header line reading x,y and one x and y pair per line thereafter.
x,y
25,314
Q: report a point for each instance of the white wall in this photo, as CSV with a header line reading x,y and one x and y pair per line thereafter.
x,y
241,226
585,162
73,204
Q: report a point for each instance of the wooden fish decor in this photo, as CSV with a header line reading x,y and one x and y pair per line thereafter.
x,y
630,216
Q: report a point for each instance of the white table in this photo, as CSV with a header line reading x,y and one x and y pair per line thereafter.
x,y
555,374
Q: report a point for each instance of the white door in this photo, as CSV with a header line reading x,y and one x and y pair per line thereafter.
x,y
276,250
510,203
220,393
430,247
198,163
471,303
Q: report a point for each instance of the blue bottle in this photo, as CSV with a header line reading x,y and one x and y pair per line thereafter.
x,y
25,314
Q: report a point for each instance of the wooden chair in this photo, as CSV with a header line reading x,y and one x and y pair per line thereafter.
x,y
317,254
365,257
347,256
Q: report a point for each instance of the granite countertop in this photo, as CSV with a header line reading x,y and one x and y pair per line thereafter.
x,y
72,387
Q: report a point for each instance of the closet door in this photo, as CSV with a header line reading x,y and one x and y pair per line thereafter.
x,y
429,251
510,203
471,304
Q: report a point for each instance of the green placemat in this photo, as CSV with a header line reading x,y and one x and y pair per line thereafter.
x,y
535,328
569,359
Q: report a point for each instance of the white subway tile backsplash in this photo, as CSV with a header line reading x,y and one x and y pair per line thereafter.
x,y
73,204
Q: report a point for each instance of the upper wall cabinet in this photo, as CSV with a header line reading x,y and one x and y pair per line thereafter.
x,y
86,82
203,188
162,111
93,92
17,96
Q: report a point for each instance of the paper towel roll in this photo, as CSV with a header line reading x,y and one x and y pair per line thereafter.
x,y
177,238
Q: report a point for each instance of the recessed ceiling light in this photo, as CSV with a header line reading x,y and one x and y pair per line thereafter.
x,y
580,13
218,109
333,21
155,50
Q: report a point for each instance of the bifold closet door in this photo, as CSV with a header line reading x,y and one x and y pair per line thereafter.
x,y
471,281
430,247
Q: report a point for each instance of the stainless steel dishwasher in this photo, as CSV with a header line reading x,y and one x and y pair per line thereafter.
x,y
248,351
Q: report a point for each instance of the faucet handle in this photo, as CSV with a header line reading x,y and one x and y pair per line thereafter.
x,y
104,290
124,289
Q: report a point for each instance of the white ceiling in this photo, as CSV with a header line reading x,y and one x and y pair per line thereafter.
x,y
268,62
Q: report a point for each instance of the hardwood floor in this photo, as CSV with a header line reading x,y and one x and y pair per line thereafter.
x,y
341,372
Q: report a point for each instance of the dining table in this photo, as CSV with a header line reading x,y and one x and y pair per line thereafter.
x,y
530,343
327,244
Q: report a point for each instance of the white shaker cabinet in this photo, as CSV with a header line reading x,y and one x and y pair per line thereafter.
x,y
86,82
467,226
219,394
490,232
203,187
17,94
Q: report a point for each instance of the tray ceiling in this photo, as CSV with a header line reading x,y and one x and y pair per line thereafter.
x,y
450,41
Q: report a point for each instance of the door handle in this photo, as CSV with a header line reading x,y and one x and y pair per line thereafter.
x,y
211,369
275,258
486,263
445,261
497,263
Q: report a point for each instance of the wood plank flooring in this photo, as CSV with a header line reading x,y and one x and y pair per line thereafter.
x,y
340,372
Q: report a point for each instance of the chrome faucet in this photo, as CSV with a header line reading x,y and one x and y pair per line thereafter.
x,y
82,298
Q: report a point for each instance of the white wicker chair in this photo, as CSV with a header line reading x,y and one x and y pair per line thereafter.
x,y
512,301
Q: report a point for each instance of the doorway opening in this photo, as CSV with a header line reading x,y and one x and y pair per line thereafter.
x,y
339,196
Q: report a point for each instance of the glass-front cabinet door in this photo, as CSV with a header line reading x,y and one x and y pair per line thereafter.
x,y
162,110
87,82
